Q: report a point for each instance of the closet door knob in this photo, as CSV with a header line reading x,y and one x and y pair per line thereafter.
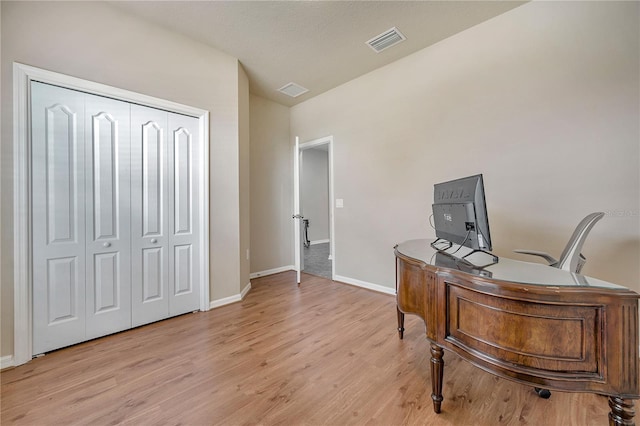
x,y
153,240
106,245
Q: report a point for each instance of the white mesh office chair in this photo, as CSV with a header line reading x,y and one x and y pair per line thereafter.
x,y
571,258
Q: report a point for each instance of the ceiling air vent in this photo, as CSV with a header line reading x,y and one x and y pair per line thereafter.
x,y
292,89
386,39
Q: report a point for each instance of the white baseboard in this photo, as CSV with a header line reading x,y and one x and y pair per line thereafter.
x,y
272,271
245,290
6,362
318,242
364,284
231,299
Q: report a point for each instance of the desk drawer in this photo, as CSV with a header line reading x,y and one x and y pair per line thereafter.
x,y
526,336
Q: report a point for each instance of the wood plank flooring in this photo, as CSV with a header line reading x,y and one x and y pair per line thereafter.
x,y
323,353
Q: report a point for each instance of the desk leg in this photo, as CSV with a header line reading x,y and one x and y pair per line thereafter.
x,y
400,324
622,412
437,370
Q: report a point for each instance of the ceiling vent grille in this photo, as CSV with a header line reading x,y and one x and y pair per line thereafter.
x,y
292,89
386,40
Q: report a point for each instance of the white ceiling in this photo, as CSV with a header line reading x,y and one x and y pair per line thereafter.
x,y
316,44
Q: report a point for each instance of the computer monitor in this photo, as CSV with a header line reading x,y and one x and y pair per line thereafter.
x,y
460,213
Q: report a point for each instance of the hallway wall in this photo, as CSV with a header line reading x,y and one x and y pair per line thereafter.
x,y
271,187
314,192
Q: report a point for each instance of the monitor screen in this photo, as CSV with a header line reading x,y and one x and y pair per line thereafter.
x,y
460,213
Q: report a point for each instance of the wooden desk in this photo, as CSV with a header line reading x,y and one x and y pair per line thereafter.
x,y
525,322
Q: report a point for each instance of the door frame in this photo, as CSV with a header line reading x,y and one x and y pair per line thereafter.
x,y
297,216
22,243
314,143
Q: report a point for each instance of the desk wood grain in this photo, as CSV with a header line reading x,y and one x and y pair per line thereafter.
x,y
571,338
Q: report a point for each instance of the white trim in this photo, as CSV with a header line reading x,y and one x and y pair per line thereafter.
x,y
6,362
231,299
332,223
272,271
370,286
314,143
313,243
225,301
22,77
245,291
204,213
298,259
69,82
327,140
22,329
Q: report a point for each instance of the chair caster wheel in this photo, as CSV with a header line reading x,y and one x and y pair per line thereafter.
x,y
543,393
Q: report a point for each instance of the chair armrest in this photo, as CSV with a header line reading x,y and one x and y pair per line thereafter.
x,y
546,256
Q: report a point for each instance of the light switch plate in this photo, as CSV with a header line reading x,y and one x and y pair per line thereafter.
x,y
339,203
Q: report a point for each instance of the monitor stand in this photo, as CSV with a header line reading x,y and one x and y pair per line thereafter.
x,y
448,244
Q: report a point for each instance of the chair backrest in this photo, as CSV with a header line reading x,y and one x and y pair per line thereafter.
x,y
571,259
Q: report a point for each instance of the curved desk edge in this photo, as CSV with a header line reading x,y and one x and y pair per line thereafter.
x,y
570,338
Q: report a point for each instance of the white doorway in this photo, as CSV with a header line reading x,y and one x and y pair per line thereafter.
x,y
314,225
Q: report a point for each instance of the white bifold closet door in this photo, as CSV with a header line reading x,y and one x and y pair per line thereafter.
x,y
165,205
59,234
114,222
107,213
81,231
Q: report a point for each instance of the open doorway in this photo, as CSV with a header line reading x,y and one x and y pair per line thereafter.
x,y
315,194
314,201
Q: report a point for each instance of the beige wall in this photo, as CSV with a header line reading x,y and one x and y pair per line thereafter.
x,y
5,302
97,42
314,192
543,100
244,141
271,186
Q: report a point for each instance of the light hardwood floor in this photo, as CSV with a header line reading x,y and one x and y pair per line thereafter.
x,y
322,353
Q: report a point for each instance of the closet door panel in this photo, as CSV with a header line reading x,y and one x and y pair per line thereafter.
x,y
107,141
58,223
115,215
149,207
184,134
152,279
